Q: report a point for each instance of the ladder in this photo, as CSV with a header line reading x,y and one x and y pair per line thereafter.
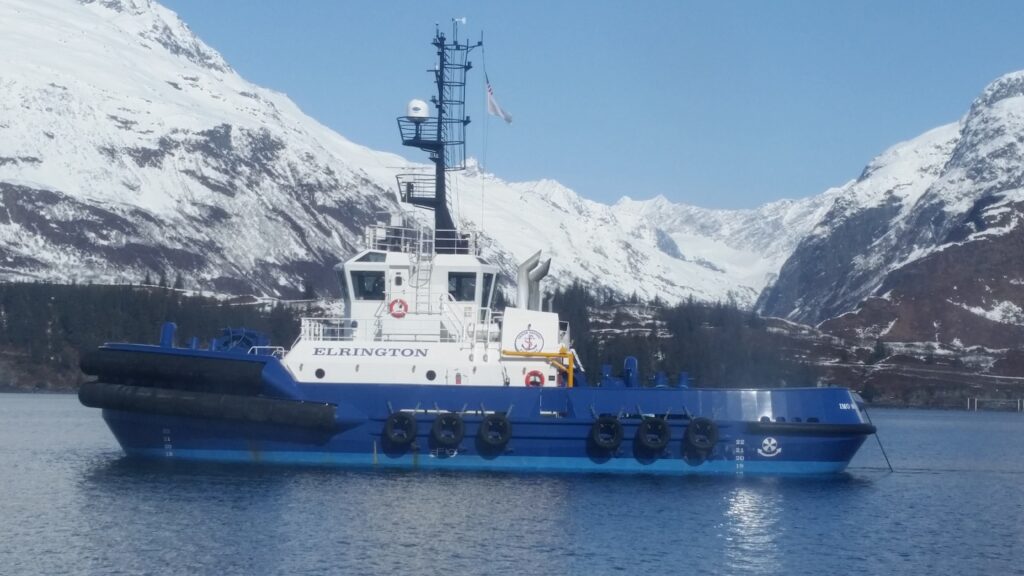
x,y
422,264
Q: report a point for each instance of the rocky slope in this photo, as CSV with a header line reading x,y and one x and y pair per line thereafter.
x,y
926,245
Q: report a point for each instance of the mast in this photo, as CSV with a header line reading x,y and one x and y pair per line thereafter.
x,y
442,136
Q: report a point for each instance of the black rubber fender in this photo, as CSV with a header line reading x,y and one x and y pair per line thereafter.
x,y
448,430
495,430
400,429
171,402
606,433
702,434
175,369
653,434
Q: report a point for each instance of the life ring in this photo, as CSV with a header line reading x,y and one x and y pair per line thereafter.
x,y
398,308
400,429
447,430
701,434
606,433
495,431
653,434
534,379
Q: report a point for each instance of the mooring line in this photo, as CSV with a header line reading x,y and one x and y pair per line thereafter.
x,y
878,438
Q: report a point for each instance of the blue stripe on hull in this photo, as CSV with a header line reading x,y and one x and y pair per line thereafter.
x,y
507,463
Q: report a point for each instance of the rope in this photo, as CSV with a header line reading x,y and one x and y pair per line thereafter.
x,y
886,456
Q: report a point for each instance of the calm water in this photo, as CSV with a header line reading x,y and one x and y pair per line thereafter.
x,y
71,504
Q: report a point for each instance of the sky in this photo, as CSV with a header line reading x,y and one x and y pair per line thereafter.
x,y
718,104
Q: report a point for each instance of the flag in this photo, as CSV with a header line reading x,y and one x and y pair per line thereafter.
x,y
492,105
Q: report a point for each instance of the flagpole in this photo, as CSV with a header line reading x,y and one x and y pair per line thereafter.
x,y
487,121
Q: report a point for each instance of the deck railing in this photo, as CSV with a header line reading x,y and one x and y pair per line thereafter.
x,y
416,240
443,322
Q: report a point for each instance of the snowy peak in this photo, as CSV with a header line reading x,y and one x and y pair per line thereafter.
x,y
157,24
128,147
988,153
1005,87
928,234
653,248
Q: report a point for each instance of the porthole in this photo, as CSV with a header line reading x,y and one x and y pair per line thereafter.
x,y
320,373
431,375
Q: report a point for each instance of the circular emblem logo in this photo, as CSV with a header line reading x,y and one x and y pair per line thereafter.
x,y
529,341
769,447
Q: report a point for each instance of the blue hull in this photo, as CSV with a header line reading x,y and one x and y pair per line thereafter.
x,y
551,431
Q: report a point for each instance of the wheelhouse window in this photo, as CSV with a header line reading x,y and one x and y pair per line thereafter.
x,y
372,257
368,285
488,282
462,286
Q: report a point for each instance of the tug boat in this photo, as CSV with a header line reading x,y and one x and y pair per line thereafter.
x,y
423,372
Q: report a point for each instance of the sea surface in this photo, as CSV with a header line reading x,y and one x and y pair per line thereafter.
x,y
70,503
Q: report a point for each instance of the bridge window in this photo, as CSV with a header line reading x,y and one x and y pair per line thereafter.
x,y
462,286
488,281
368,285
372,257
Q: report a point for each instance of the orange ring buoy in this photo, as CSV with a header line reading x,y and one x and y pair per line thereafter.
x,y
398,308
534,378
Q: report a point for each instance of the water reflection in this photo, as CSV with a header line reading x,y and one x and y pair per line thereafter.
x,y
297,519
180,517
74,505
753,528
421,517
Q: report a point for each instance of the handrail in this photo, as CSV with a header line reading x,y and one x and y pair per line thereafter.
x,y
331,328
448,315
275,351
562,354
416,240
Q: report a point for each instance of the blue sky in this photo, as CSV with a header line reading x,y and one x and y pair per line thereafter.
x,y
717,104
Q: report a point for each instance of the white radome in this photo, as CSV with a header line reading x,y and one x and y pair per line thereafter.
x,y
417,110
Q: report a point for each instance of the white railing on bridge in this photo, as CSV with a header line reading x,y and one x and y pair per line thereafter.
x,y
420,240
442,323
331,329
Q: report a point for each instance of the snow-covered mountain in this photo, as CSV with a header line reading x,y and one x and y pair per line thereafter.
x,y
927,244
654,248
128,148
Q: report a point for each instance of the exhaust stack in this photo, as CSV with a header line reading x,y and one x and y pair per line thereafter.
x,y
531,272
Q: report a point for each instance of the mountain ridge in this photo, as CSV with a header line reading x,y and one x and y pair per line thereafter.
x,y
137,149
925,245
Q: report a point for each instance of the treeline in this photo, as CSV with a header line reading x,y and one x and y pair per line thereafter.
x,y
53,324
717,345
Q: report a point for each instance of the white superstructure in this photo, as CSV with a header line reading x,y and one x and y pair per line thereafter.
x,y
418,311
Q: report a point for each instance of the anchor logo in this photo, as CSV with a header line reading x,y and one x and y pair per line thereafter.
x,y
529,341
769,448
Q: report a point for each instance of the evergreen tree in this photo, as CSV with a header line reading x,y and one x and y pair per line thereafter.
x,y
879,352
52,325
